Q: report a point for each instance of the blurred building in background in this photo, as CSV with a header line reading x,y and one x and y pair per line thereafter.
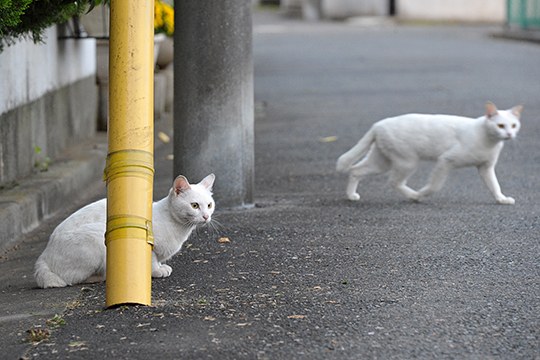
x,y
492,11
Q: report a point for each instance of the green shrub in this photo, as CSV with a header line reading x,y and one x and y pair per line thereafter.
x,y
29,18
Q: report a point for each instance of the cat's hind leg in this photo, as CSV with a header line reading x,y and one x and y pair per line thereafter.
x,y
45,278
400,173
436,179
71,257
374,163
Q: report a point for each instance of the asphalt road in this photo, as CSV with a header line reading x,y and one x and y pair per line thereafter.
x,y
310,275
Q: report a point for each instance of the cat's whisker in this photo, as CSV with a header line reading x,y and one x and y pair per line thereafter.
x,y
216,223
214,227
196,231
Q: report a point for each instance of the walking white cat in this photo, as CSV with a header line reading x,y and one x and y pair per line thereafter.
x,y
397,145
76,250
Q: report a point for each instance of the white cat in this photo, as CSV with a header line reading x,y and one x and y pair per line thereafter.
x,y
76,250
398,144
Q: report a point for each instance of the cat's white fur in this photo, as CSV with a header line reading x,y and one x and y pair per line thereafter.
x,y
397,145
76,249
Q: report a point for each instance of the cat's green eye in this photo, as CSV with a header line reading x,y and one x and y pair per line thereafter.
x,y
501,126
195,206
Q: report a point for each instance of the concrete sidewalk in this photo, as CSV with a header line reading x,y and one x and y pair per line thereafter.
x,y
308,274
519,35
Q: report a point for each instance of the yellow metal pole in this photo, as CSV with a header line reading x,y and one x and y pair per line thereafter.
x,y
130,162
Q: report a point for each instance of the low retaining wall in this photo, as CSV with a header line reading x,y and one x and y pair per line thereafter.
x,y
41,129
455,10
48,100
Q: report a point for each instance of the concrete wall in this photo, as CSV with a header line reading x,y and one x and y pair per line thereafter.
x,y
291,7
337,9
29,70
48,99
334,9
454,10
446,10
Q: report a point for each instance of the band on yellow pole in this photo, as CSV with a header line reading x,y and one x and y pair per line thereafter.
x,y
130,164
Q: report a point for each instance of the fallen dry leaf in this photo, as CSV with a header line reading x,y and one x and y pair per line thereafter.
x,y
328,139
296,316
224,240
77,344
37,335
164,137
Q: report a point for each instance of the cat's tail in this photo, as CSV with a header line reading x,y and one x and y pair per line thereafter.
x,y
44,277
357,152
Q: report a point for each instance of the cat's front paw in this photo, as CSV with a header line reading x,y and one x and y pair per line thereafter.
x,y
507,200
415,196
163,270
353,197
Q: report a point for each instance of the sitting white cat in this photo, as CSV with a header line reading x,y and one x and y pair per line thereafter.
x,y
76,249
398,144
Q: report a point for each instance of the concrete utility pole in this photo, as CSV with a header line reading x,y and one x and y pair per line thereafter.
x,y
213,96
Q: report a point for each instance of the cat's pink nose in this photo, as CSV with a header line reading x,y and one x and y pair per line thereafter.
x,y
206,216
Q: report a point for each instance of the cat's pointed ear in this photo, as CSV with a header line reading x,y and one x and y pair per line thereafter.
x,y
180,184
208,181
491,110
516,111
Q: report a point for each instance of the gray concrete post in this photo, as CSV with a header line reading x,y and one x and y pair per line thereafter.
x,y
213,96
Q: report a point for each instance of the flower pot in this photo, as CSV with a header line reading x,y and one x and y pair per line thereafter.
x,y
158,40
166,53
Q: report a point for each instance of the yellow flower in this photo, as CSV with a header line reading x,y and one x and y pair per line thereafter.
x,y
163,18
